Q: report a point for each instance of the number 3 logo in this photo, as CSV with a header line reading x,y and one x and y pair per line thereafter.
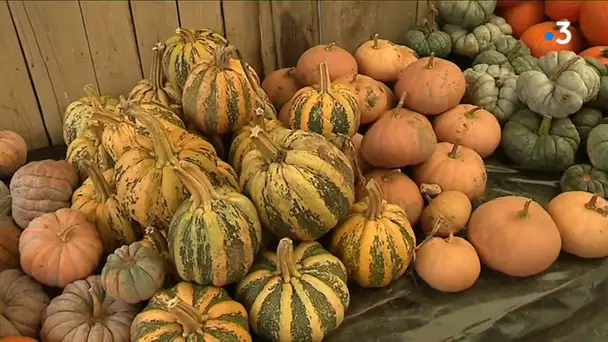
x,y
563,28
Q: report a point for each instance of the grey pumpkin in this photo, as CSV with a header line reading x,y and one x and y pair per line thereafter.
x,y
466,13
601,100
585,120
583,177
427,39
508,52
597,146
470,43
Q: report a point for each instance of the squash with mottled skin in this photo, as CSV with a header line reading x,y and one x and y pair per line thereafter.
x,y
510,53
470,42
467,13
584,177
427,39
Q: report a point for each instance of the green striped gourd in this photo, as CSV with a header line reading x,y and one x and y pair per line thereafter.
x,y
301,186
214,236
376,242
78,113
89,145
190,312
295,295
326,107
184,49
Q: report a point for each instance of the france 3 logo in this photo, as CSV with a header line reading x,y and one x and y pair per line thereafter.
x,y
565,33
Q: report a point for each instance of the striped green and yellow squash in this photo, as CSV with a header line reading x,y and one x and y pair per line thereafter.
x,y
295,295
78,113
186,48
190,312
325,108
214,236
89,145
301,186
376,242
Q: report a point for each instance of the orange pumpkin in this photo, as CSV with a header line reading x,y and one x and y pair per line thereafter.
x,y
17,339
432,85
13,153
594,22
374,97
599,52
281,85
447,213
523,15
472,126
508,3
339,62
454,167
563,10
400,137
382,59
9,243
534,38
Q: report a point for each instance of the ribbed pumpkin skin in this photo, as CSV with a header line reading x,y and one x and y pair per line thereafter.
x,y
151,89
186,48
375,250
304,190
88,144
304,308
133,273
78,112
325,108
227,319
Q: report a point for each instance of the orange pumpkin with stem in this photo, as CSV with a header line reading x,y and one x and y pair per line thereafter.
x,y
582,220
382,59
534,38
523,15
563,10
339,62
599,52
374,97
474,127
594,22
400,137
454,167
433,85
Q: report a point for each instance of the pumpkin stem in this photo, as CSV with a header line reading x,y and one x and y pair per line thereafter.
x,y
349,149
324,80
258,118
375,44
93,95
471,113
430,191
454,152
565,67
285,260
451,237
330,46
103,190
64,234
186,35
187,316
431,63
545,125
255,85
223,55
105,118
264,144
157,238
436,226
524,212
374,209
199,194
401,101
431,23
97,308
163,147
591,205
156,77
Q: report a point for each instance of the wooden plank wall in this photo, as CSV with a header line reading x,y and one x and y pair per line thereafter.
x,y
51,49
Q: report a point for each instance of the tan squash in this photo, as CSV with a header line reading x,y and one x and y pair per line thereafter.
x,y
9,243
374,97
382,59
13,153
450,210
339,61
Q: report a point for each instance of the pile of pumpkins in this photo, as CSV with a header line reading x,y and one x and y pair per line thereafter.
x,y
332,167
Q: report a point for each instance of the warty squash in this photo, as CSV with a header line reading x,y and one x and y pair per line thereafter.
x,y
374,97
381,59
14,153
301,186
584,177
215,235
376,241
296,294
427,39
471,42
325,107
190,312
466,13
9,243
509,53
96,199
339,63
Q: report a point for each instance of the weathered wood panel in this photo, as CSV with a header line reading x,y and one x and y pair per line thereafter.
x,y
296,28
201,14
243,30
268,49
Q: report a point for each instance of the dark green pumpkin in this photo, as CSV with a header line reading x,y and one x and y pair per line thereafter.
x,y
295,295
508,52
585,120
597,146
428,39
583,177
601,101
540,143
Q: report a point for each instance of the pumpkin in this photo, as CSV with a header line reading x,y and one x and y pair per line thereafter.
x,y
584,177
507,3
78,113
133,273
17,339
339,63
470,126
326,107
598,52
454,167
157,239
448,265
400,137
585,120
85,312
523,15
5,200
582,219
539,142
601,101
185,49
432,85
96,199
13,153
446,214
427,39
281,85
375,242
535,38
561,88
563,10
593,22
23,303
350,147
514,235
509,53
397,188
218,96
596,150
9,243
221,229
89,146
466,14
382,59
373,97
146,180
191,312
470,42
41,187
276,288
301,186
357,140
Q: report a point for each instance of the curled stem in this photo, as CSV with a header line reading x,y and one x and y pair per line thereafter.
x,y
97,308
523,213
186,35
285,260
374,209
264,144
187,316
